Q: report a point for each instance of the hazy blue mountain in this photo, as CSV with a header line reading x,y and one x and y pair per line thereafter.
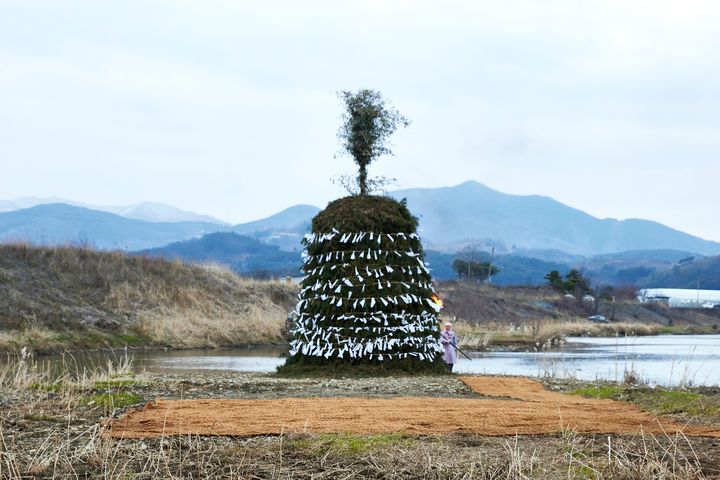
x,y
473,214
146,211
298,215
703,273
159,212
451,219
27,202
242,254
60,223
284,229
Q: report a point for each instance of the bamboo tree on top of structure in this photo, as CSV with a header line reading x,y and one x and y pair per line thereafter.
x,y
367,296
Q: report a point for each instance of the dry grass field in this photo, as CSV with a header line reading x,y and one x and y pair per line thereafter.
x,y
73,298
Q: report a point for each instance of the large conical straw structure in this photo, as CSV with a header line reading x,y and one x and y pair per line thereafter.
x,y
367,296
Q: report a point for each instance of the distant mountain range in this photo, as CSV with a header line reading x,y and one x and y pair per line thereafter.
x,y
146,211
60,223
529,234
451,218
472,214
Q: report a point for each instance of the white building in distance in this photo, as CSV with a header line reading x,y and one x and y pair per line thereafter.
x,y
681,297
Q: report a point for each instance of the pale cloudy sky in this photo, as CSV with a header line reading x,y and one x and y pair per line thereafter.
x,y
229,108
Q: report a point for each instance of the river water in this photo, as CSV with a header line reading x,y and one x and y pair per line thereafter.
x,y
664,360
657,360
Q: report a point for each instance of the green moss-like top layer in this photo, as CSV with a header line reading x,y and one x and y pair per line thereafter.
x,y
366,213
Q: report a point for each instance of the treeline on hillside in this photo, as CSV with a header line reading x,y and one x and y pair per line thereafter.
x,y
695,273
650,268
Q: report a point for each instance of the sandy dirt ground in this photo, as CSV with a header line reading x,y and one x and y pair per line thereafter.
x,y
509,406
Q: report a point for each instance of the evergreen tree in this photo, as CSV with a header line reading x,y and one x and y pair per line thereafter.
x,y
576,284
554,279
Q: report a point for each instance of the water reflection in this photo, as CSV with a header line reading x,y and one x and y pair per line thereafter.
x,y
236,360
664,360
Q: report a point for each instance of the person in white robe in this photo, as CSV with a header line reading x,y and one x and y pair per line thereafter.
x,y
449,342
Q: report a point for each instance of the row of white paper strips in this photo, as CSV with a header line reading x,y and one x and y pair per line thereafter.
x,y
357,237
313,339
385,343
377,272
324,331
330,334
406,299
337,286
356,254
424,348
365,316
306,323
324,340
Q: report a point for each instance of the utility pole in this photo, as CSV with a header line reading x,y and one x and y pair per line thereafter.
x,y
492,255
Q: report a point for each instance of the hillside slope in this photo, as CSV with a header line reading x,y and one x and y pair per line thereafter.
x,y
284,229
487,305
65,297
696,273
242,254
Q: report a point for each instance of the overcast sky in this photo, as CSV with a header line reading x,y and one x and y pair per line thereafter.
x,y
228,107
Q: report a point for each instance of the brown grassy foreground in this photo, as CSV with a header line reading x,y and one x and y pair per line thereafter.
x,y
50,427
69,297
510,406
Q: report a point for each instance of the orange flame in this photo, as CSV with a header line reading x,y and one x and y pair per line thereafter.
x,y
437,300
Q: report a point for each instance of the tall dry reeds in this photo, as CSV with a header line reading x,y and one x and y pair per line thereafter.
x,y
638,457
586,328
89,454
541,333
22,371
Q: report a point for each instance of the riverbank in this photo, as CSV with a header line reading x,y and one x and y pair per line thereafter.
x,y
74,299
53,427
479,338
551,334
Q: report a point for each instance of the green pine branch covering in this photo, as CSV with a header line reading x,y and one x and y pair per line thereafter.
x,y
379,282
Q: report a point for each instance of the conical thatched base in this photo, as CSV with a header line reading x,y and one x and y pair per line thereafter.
x,y
366,300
